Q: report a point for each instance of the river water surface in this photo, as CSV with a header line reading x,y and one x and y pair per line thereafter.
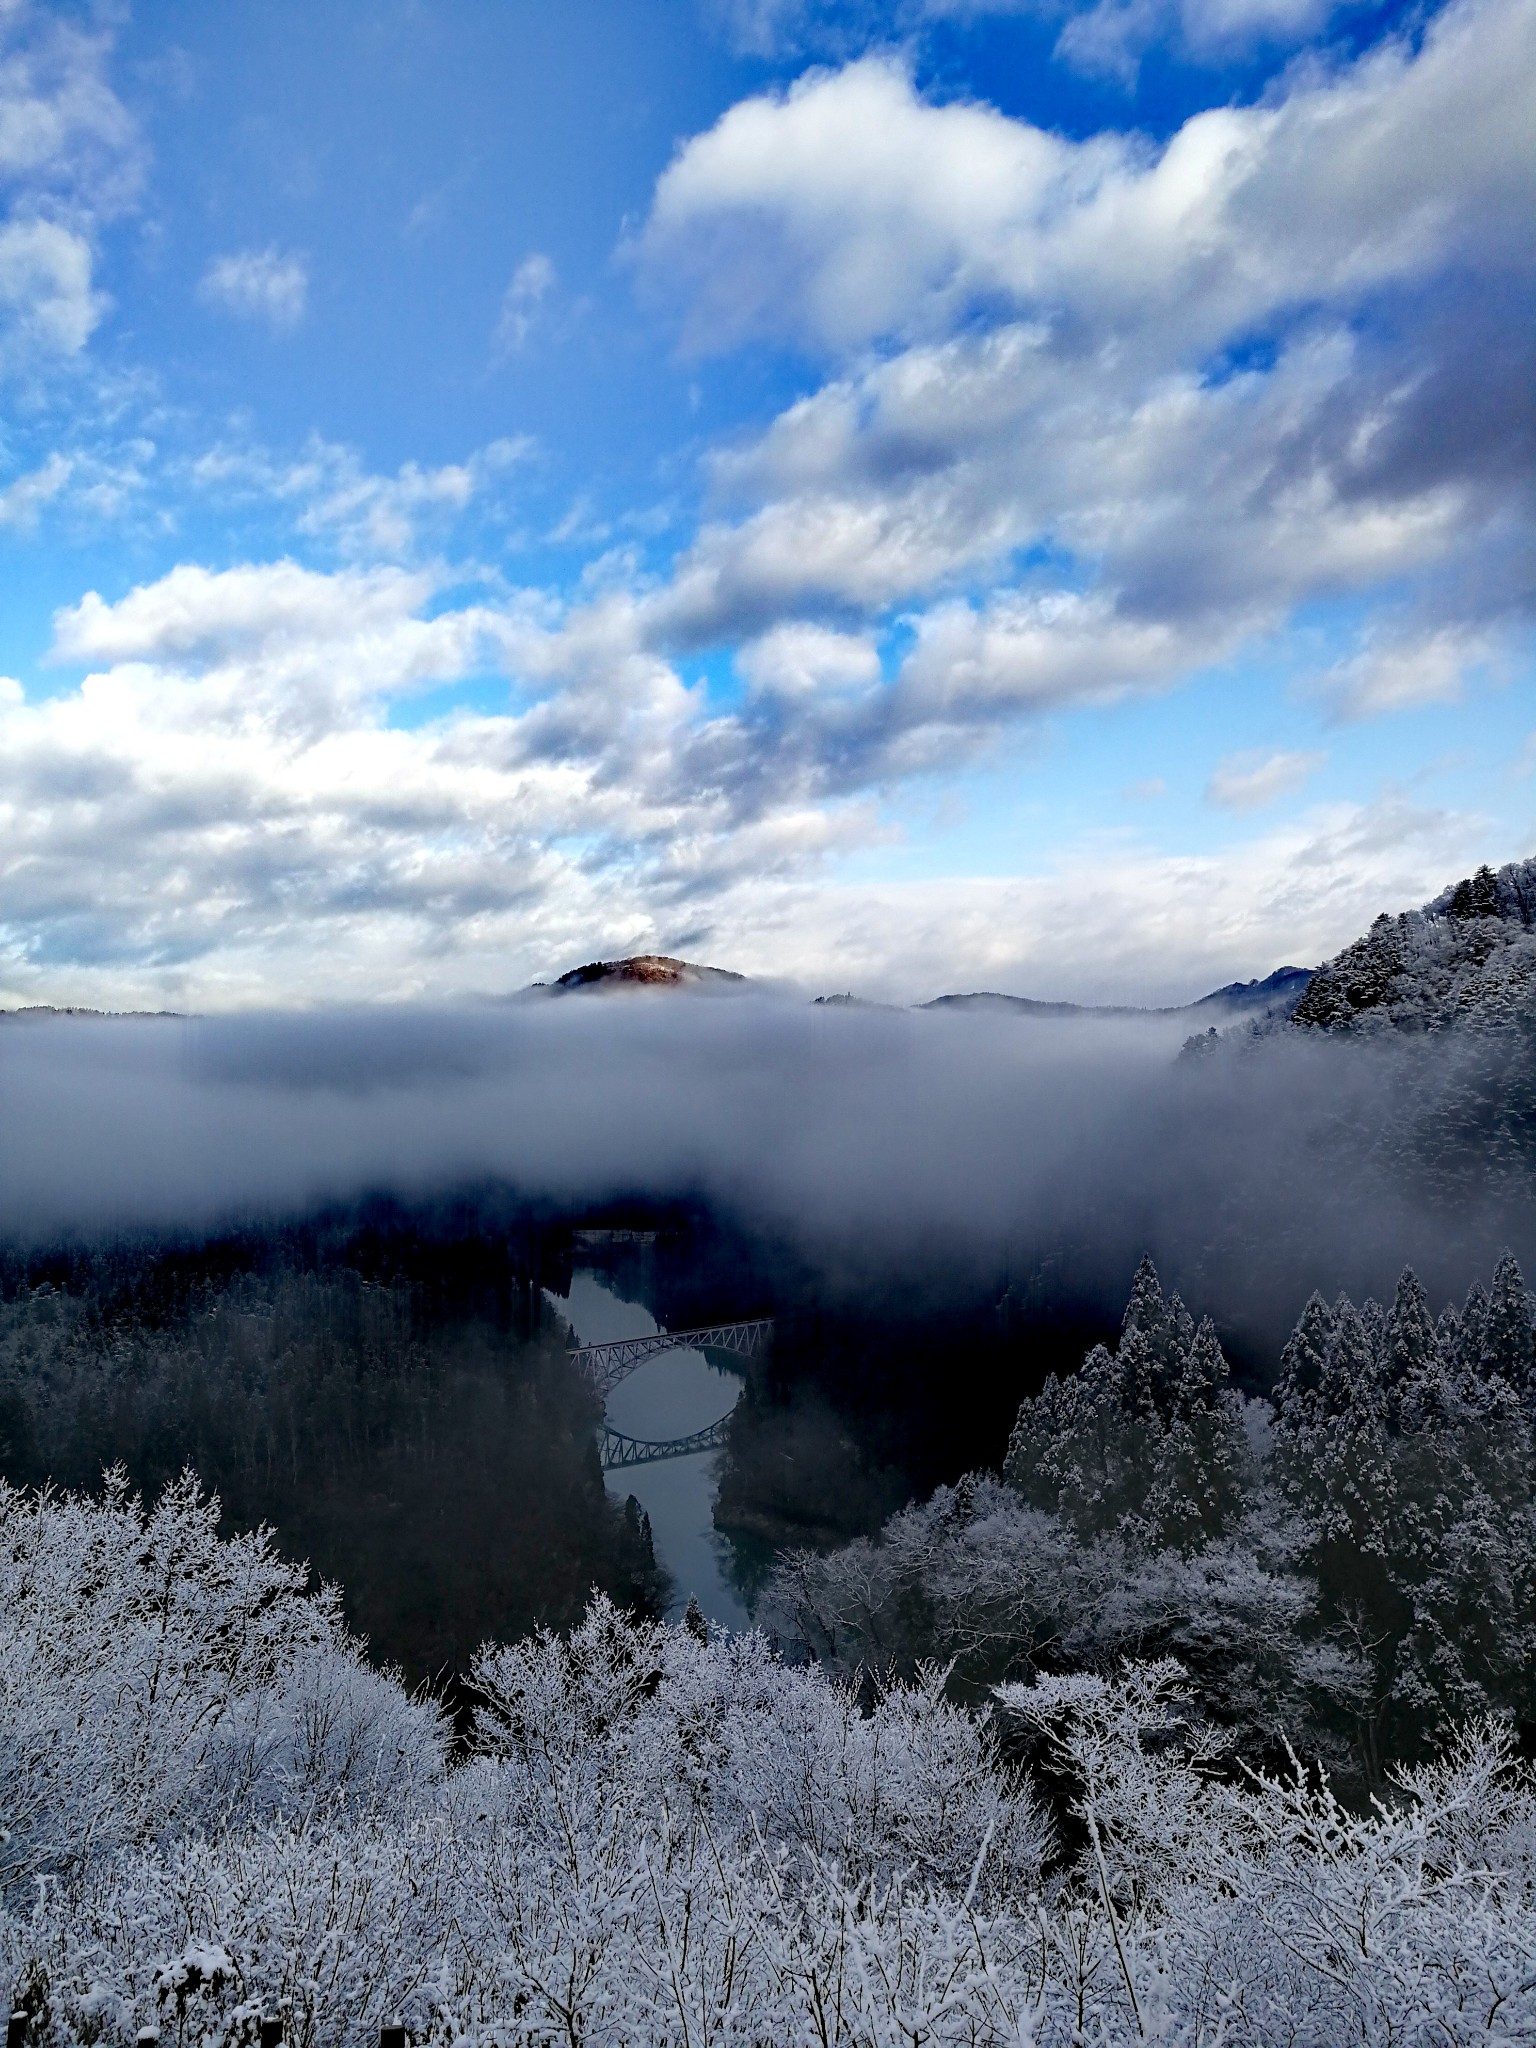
x,y
671,1395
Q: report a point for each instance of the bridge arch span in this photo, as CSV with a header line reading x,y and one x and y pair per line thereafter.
x,y
604,1366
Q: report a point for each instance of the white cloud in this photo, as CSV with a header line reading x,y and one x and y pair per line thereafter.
x,y
21,501
1048,468
48,306
532,282
62,129
334,497
222,811
840,728
797,663
258,284
1107,413
840,208
69,159
759,28
1110,919
222,806
1181,522
849,208
1399,669
1109,36
1184,493
278,650
1249,781
1112,36
204,615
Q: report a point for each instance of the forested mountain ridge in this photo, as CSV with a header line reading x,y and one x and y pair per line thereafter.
x,y
1273,997
1466,958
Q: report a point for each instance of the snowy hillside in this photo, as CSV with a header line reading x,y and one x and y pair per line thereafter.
x,y
1468,957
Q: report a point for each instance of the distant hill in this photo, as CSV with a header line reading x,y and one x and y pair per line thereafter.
x,y
1020,1006
42,1012
1275,996
644,970
1277,993
1466,959
849,1001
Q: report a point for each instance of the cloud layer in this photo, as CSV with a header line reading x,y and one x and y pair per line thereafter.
x,y
967,1142
1078,421
240,796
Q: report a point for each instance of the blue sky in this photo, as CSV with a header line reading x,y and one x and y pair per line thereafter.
x,y
933,494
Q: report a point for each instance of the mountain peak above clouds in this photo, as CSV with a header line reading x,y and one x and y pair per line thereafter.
x,y
1275,995
644,970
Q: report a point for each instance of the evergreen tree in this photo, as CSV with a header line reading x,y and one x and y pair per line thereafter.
x,y
1147,1441
1411,1461
1473,1322
1505,1351
1351,1390
1417,1384
1302,1364
1409,1346
1155,1336
1484,893
1202,1460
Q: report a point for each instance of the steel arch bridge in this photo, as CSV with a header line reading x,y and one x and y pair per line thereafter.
x,y
603,1366
619,1450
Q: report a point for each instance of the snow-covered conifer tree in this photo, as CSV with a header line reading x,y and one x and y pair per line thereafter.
x,y
1507,1334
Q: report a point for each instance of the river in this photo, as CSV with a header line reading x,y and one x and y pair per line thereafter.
x,y
670,1395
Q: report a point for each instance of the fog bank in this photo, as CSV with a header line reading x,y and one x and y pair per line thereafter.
x,y
866,1134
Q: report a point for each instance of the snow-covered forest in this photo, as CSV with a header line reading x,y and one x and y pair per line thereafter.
x,y
1349,1568
1199,1724
216,1811
1467,958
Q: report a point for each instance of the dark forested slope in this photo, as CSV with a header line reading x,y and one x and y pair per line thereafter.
x,y
390,1401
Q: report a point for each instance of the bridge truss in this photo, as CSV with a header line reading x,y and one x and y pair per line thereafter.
x,y
603,1366
619,1450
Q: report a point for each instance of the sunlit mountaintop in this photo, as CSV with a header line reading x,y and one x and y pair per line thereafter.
x,y
644,970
